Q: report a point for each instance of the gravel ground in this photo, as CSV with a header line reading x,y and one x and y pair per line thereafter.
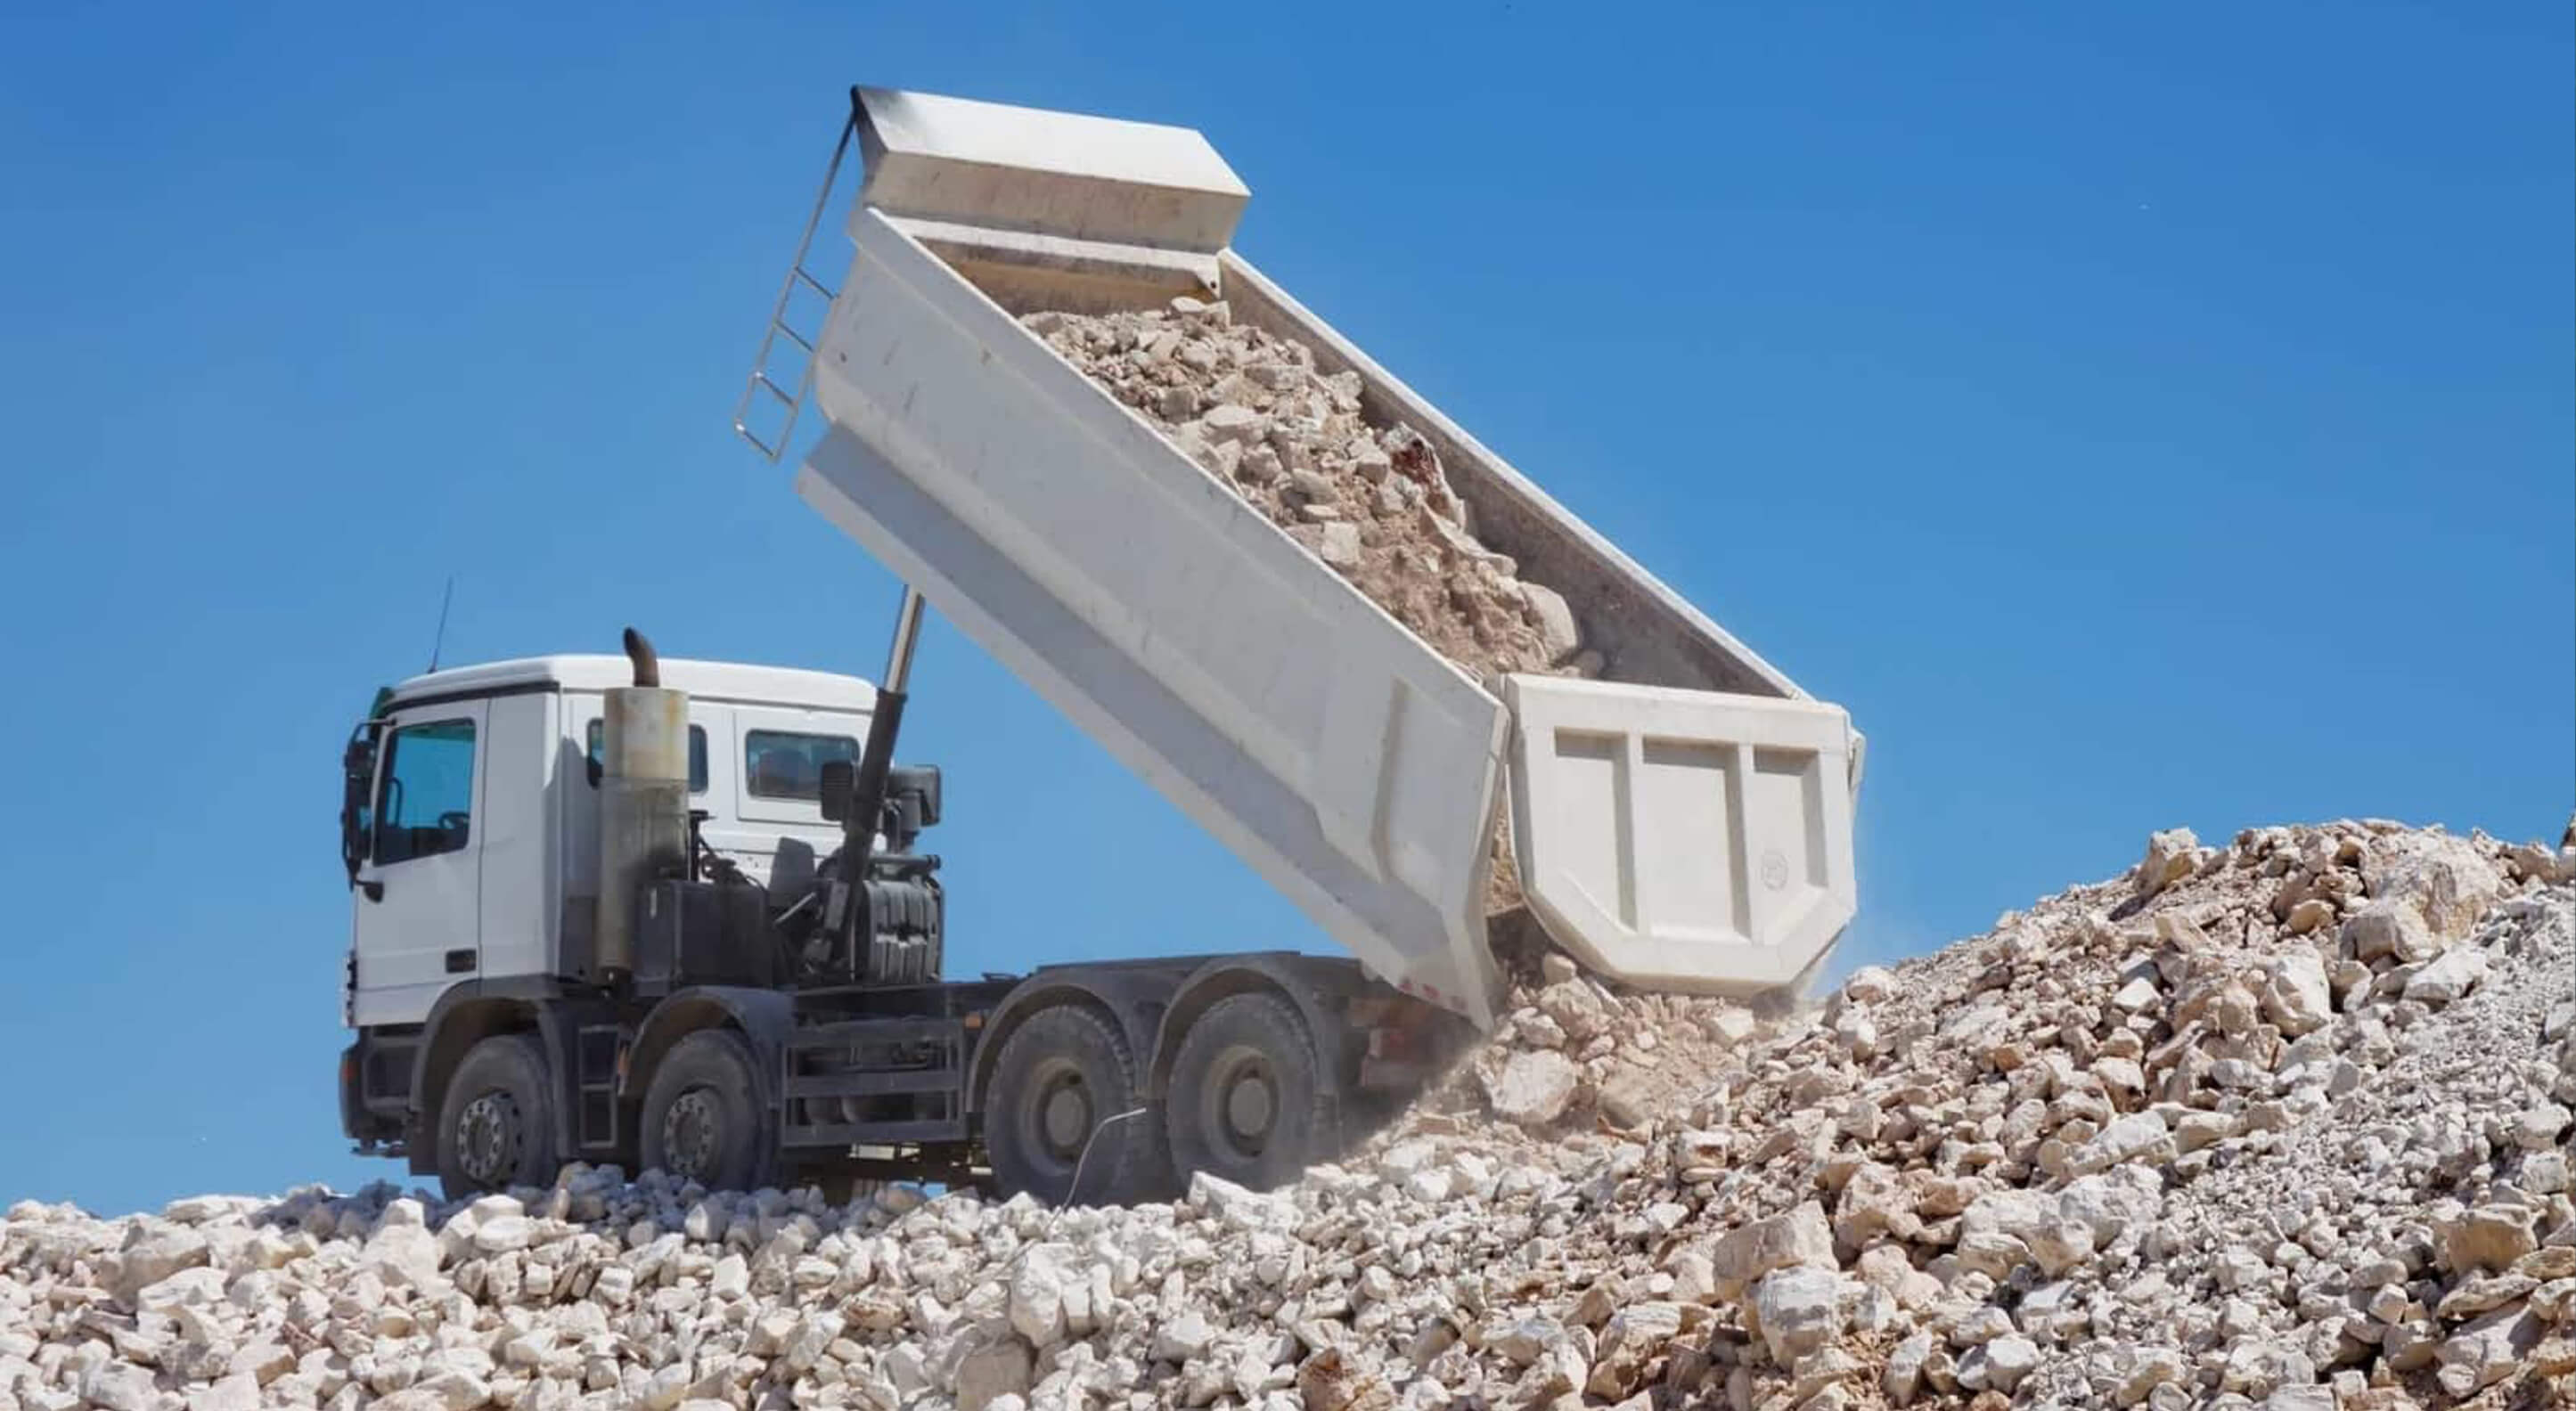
x,y
2281,1124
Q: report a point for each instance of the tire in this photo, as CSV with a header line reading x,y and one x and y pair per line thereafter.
x,y
1247,1100
496,1126
703,1119
1063,1075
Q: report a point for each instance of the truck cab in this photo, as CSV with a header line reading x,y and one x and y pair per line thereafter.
x,y
471,820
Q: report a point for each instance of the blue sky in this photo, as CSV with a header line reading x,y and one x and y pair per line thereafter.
x,y
2134,417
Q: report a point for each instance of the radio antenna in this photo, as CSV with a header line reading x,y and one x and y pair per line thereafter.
x,y
440,640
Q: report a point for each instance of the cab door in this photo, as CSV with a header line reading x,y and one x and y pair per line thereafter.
x,y
419,887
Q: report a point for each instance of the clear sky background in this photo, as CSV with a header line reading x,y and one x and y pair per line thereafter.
x,y
2135,417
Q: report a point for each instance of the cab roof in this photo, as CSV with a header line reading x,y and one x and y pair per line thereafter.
x,y
705,680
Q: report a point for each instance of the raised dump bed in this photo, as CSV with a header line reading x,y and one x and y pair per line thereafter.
x,y
1682,822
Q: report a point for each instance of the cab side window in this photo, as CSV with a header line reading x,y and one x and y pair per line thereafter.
x,y
425,803
781,764
597,740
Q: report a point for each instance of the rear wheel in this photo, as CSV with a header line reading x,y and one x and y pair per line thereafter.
x,y
496,1127
702,1117
1065,1083
1247,1100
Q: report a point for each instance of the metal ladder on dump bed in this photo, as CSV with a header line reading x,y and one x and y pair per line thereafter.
x,y
760,389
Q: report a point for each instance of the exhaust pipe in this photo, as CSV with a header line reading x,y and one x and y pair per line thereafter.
x,y
646,661
643,801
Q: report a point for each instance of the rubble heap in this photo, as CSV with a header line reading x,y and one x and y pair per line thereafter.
x,y
2280,1124
1367,497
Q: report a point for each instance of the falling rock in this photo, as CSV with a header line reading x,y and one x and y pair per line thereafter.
x,y
1534,1087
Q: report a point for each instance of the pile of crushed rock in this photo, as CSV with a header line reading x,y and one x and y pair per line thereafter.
x,y
2280,1124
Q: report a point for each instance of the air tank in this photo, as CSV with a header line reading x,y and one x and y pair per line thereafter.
x,y
643,799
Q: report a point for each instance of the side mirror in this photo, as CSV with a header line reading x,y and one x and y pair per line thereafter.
x,y
920,784
357,777
838,776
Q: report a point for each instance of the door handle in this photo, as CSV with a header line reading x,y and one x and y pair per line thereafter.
x,y
460,962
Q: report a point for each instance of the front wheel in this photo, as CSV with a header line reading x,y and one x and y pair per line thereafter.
x,y
702,1118
496,1128
1247,1100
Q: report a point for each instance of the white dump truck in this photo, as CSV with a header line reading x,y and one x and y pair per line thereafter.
x,y
673,967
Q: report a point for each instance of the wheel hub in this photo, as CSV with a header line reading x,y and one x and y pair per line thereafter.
x,y
1245,1096
1064,1117
487,1139
1249,1107
692,1135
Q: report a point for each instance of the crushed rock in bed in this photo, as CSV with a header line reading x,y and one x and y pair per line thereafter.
x,y
1368,499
